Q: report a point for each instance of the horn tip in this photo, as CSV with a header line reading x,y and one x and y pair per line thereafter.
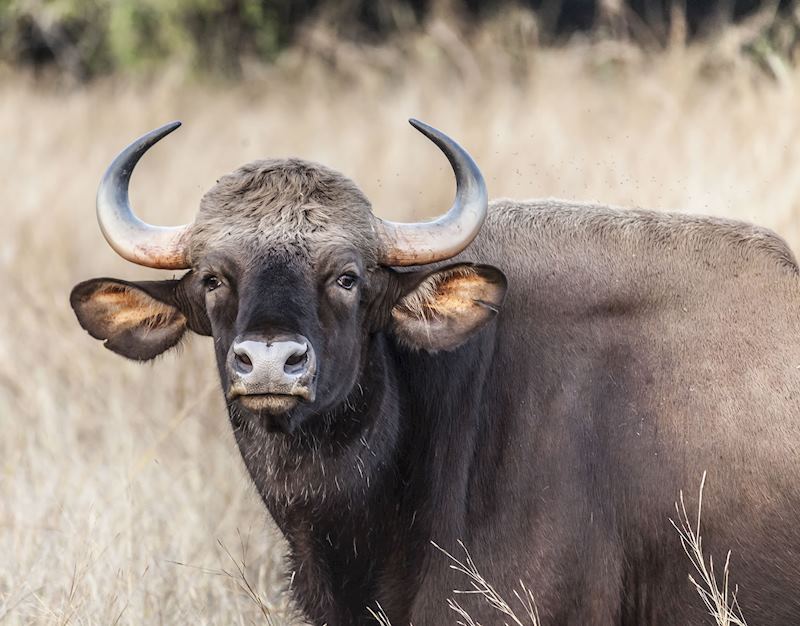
x,y
169,127
426,129
420,126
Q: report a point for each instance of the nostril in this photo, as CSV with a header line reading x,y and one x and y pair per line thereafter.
x,y
296,359
296,363
243,363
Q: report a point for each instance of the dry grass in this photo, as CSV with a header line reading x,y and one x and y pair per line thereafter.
x,y
525,614
120,483
717,596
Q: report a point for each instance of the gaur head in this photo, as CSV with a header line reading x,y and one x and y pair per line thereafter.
x,y
293,276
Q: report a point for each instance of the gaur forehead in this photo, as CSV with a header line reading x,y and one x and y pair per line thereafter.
x,y
284,206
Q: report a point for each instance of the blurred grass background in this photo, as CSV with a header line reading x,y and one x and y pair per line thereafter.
x,y
122,496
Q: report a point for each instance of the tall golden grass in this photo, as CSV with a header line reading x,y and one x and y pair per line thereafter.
x,y
122,496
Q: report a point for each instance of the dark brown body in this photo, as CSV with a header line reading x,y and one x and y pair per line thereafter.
x,y
634,352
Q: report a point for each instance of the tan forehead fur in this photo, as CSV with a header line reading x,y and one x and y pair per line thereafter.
x,y
279,204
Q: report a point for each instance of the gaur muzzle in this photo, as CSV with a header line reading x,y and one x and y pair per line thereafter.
x,y
271,372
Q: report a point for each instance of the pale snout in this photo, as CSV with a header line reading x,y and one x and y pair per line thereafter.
x,y
281,367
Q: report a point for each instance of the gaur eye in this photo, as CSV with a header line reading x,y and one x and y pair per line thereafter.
x,y
347,281
211,283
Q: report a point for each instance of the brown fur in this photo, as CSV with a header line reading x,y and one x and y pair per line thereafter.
x,y
700,237
641,349
283,203
448,303
118,309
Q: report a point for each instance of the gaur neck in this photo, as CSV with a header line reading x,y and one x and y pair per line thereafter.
x,y
337,493
360,500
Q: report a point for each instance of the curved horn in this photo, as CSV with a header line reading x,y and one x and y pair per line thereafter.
x,y
154,246
427,242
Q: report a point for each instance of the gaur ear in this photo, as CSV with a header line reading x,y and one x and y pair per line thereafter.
x,y
136,320
442,309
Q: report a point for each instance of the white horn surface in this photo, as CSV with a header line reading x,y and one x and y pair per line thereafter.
x,y
137,241
427,242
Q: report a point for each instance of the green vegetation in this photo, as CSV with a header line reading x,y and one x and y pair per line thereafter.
x,y
83,39
86,38
89,37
